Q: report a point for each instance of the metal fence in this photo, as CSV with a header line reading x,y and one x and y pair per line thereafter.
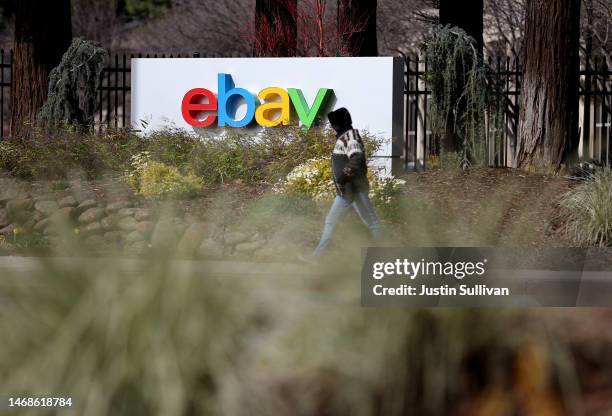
x,y
595,114
421,146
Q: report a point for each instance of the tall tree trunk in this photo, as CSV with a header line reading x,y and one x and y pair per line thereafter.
x,y
548,124
43,33
275,28
357,27
467,15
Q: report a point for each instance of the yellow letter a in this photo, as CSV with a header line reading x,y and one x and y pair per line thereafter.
x,y
267,113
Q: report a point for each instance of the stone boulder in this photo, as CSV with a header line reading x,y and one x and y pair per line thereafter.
x,y
145,227
117,205
211,248
94,228
41,225
46,207
68,201
128,224
4,218
8,231
17,208
85,205
249,247
134,237
167,233
91,215
234,237
63,215
126,212
81,190
113,237
142,214
192,239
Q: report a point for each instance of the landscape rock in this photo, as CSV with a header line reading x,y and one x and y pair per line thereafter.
x,y
63,215
127,224
211,248
85,205
41,225
192,238
51,229
10,189
108,223
117,205
113,236
93,228
133,237
16,207
4,218
46,207
68,201
235,237
249,247
166,234
126,212
142,214
81,191
145,227
8,230
91,215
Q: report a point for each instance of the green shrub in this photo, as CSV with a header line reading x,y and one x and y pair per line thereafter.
x,y
53,155
313,179
590,210
230,156
156,180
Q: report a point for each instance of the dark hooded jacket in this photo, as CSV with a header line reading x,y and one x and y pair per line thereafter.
x,y
349,168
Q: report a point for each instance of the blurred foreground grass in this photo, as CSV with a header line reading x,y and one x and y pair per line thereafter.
x,y
158,335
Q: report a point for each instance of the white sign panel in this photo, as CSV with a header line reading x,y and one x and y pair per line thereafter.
x,y
213,93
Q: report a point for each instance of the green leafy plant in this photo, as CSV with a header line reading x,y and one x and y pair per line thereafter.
x,y
73,86
156,180
313,179
457,77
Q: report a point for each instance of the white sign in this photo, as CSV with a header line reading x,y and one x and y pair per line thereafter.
x,y
211,93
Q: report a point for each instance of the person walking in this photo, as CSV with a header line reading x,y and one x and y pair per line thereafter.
x,y
350,174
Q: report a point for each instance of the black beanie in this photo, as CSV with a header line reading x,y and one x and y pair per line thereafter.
x,y
340,119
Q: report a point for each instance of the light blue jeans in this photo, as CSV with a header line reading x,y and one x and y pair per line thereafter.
x,y
339,209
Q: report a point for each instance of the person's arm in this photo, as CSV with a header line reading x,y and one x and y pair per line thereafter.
x,y
356,155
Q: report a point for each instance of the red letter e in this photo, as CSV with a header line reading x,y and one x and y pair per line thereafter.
x,y
194,104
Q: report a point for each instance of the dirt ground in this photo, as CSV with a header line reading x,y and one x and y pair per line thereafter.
x,y
491,206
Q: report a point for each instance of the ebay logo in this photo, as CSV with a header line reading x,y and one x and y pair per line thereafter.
x,y
272,106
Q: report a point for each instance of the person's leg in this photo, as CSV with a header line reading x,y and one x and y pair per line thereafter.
x,y
365,210
338,210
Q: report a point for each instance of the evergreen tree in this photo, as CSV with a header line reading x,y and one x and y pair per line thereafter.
x,y
467,15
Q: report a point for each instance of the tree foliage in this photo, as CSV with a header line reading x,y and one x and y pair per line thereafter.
x,y
73,86
457,78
